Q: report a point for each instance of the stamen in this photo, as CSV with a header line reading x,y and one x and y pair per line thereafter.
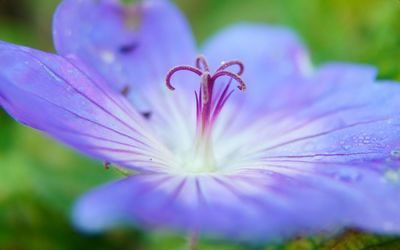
x,y
241,86
209,105
222,99
180,68
197,105
218,108
226,65
201,63
205,80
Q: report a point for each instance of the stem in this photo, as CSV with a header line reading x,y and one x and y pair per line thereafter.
x,y
193,241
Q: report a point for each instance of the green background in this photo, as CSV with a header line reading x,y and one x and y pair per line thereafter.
x,y
39,178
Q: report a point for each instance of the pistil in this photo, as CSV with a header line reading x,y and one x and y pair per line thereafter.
x,y
208,104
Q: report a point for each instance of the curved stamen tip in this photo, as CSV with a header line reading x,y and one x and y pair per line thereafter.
x,y
225,65
208,103
168,79
180,68
201,63
242,86
202,69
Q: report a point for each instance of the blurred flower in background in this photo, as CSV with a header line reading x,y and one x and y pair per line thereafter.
x,y
33,172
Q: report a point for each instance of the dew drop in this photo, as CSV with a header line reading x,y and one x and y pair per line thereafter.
x,y
107,56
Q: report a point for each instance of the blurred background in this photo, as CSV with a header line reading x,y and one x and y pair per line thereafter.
x,y
39,179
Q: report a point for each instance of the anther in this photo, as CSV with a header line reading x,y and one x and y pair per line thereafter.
x,y
209,105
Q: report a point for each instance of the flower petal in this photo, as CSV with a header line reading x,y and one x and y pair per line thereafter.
x,y
349,117
63,98
247,205
340,143
203,204
135,46
130,45
275,61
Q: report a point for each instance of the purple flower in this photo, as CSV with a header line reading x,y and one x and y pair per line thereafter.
x,y
262,145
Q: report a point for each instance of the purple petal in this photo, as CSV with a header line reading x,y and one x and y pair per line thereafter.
x,y
63,98
203,204
135,46
333,90
247,205
340,144
349,117
130,45
289,175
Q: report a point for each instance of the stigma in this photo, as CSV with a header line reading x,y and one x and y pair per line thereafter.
x,y
209,104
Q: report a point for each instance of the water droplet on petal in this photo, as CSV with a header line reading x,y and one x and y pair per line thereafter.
x,y
107,56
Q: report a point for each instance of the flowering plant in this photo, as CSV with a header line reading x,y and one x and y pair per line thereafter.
x,y
261,145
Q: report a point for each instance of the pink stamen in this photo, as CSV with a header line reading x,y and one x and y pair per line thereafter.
x,y
201,63
219,108
197,105
226,65
180,68
241,86
205,90
207,109
220,102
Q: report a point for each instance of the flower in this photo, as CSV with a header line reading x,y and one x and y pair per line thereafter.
x,y
293,150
